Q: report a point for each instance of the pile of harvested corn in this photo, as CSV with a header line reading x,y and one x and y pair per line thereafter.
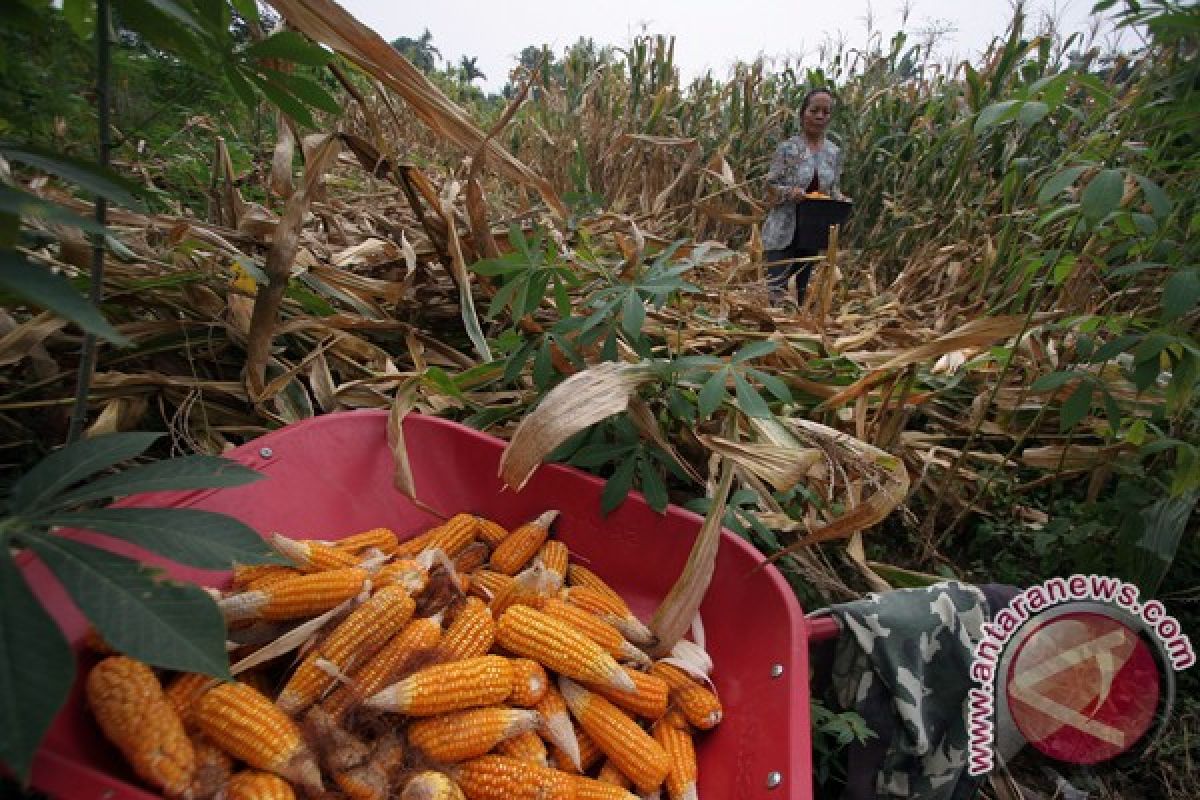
x,y
468,661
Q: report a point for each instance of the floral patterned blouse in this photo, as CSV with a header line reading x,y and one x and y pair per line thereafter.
x,y
793,167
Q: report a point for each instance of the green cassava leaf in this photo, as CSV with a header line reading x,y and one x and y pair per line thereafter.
x,y
1102,195
85,174
633,314
1052,381
201,539
307,90
289,46
41,287
1159,200
1077,405
995,114
164,623
1180,294
188,472
713,393
772,384
753,350
618,485
748,399
1057,183
653,487
26,205
73,463
36,669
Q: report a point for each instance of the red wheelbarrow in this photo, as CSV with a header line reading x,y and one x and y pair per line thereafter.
x,y
331,476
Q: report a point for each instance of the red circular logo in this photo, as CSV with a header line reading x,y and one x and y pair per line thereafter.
x,y
1083,687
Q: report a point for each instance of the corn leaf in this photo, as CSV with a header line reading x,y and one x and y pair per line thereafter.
x,y
36,669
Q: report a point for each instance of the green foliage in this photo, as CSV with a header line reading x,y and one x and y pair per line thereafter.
x,y
420,51
616,442
832,733
132,606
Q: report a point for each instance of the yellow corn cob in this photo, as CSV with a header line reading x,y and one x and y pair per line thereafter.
x,y
527,746
254,785
380,538
595,628
556,727
616,614
530,587
529,683
491,532
648,700
406,572
588,789
578,575
471,632
673,736
504,778
451,537
516,549
473,556
380,670
554,644
455,534
449,738
699,704
442,688
213,770
260,576
357,638
631,749
554,556
259,681
488,584
408,548
248,726
134,714
312,556
589,754
430,785
610,774
295,598
185,690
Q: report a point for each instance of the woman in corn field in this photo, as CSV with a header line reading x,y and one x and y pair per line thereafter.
x,y
803,165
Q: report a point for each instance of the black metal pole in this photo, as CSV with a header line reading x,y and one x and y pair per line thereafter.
x,y
87,358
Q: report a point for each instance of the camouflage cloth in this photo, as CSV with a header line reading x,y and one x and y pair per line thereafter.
x,y
903,663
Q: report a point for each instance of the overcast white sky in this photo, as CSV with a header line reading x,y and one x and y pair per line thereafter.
x,y
708,33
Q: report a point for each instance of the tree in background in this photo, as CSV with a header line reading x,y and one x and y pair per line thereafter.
x,y
468,70
420,51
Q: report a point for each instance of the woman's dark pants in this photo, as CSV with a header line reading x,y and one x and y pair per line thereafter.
x,y
778,275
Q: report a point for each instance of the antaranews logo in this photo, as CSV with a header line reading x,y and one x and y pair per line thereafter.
x,y
1079,666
